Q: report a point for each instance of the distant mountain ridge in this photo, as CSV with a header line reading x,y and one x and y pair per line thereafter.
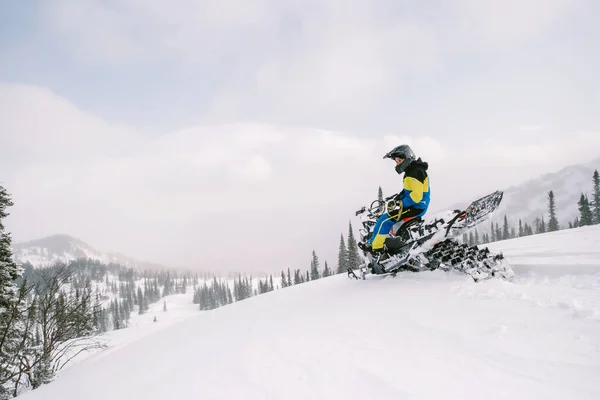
x,y
64,248
529,200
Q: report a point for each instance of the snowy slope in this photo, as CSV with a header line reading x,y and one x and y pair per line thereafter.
x,y
426,336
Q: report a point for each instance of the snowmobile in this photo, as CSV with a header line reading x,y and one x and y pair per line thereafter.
x,y
418,245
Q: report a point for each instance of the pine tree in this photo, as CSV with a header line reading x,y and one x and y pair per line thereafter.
x,y
380,194
283,280
141,301
342,257
12,307
596,198
553,222
505,230
521,232
326,270
314,267
353,256
585,213
9,271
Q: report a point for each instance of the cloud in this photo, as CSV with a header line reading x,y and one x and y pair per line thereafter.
x,y
503,25
279,58
233,196
46,127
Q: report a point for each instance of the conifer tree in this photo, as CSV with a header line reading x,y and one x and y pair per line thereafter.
x,y
326,270
505,230
585,213
521,232
141,301
553,222
283,280
9,271
342,256
314,267
380,194
528,230
353,256
12,328
596,198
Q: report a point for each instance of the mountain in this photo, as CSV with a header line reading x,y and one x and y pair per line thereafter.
x,y
529,200
432,335
63,248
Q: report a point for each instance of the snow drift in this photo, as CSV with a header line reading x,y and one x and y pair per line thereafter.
x,y
431,335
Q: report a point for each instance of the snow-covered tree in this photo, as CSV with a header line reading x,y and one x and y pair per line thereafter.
x,y
13,329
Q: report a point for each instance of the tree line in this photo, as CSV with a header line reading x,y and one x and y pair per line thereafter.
x,y
589,214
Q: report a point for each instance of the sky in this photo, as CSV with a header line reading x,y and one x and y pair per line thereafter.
x,y
243,135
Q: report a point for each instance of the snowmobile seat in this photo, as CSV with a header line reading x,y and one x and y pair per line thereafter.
x,y
404,227
395,244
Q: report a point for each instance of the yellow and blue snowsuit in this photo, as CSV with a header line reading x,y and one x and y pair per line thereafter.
x,y
413,200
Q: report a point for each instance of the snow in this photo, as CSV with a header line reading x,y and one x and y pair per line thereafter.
x,y
417,336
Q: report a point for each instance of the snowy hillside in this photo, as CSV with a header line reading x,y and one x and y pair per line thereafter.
x,y
422,336
64,248
529,200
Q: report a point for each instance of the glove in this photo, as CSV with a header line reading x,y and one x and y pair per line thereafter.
x,y
394,209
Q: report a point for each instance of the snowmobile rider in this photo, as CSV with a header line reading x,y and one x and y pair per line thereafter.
x,y
411,202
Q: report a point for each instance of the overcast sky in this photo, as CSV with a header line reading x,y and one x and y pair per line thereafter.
x,y
243,134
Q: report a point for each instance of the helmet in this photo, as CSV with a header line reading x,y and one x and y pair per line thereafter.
x,y
404,152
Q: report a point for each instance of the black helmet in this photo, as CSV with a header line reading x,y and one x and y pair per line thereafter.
x,y
404,152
